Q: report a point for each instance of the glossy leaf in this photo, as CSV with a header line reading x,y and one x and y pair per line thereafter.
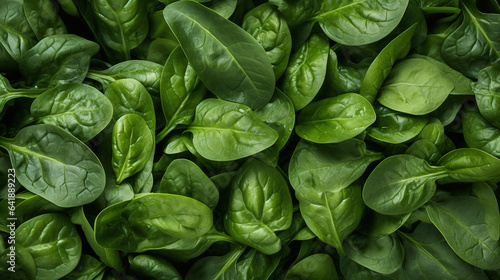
x,y
381,67
335,119
119,26
260,204
487,92
131,145
395,127
77,108
317,266
229,61
54,164
415,86
183,177
43,19
266,24
329,167
43,66
180,91
332,216
400,184
151,221
51,235
464,230
225,131
306,71
475,44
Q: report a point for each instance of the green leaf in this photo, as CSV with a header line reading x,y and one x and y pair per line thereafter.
x,y
151,221
119,26
131,144
57,60
464,230
381,254
475,44
400,184
229,61
395,127
306,71
224,131
428,255
329,167
335,119
77,108
415,86
54,164
180,91
154,267
183,177
487,92
382,65
317,266
260,204
266,24
332,216
51,235
43,19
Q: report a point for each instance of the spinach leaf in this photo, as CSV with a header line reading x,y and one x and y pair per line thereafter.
x,y
51,235
146,72
380,68
329,167
480,134
470,165
335,119
180,91
279,114
132,143
332,216
464,230
266,24
475,44
381,254
217,122
54,164
16,35
260,204
426,253
229,61
87,268
42,18
129,96
119,26
306,71
400,184
183,177
351,23
151,221
415,86
216,267
487,92
313,267
395,127
153,267
57,60
77,108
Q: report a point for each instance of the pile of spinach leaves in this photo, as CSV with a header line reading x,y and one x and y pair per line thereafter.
x,y
246,139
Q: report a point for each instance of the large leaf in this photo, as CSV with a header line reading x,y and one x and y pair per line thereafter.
x,y
229,61
54,164
79,109
58,59
225,131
